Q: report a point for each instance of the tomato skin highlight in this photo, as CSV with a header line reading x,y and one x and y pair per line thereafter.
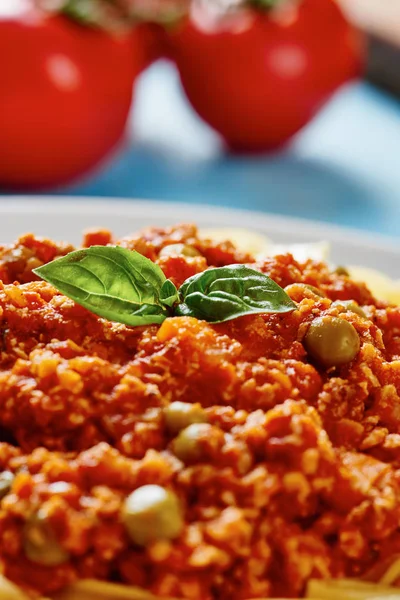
x,y
66,92
257,78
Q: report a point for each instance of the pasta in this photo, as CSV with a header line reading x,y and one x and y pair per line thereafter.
x,y
349,589
380,284
8,591
259,245
245,240
346,589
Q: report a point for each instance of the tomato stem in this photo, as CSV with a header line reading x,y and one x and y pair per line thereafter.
x,y
114,15
158,11
264,4
117,15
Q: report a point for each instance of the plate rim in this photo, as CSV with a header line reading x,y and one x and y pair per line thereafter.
x,y
57,205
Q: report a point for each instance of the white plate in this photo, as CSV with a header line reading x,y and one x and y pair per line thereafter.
x,y
65,218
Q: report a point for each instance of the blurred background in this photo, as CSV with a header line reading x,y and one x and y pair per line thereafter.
x,y
299,104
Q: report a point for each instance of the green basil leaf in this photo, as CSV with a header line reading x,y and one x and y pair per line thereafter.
x,y
225,293
115,283
169,294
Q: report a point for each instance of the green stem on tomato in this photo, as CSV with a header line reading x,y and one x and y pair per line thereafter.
x,y
264,4
163,12
108,15
114,15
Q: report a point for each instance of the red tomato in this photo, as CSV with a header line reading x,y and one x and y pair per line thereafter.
x,y
258,77
65,95
149,44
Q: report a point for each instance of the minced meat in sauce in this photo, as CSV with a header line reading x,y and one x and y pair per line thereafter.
x,y
263,465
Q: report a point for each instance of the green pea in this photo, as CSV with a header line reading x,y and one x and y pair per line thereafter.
x,y
152,513
6,481
179,249
306,287
40,543
332,341
315,290
342,271
350,306
179,415
186,446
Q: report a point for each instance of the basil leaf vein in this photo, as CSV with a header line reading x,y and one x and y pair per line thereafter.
x,y
225,293
113,282
169,294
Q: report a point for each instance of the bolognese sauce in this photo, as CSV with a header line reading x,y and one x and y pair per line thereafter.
x,y
195,460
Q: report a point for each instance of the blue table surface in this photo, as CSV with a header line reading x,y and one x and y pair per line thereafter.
x,y
343,168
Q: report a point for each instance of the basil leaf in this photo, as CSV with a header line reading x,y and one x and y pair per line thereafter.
x,y
225,293
169,294
115,283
